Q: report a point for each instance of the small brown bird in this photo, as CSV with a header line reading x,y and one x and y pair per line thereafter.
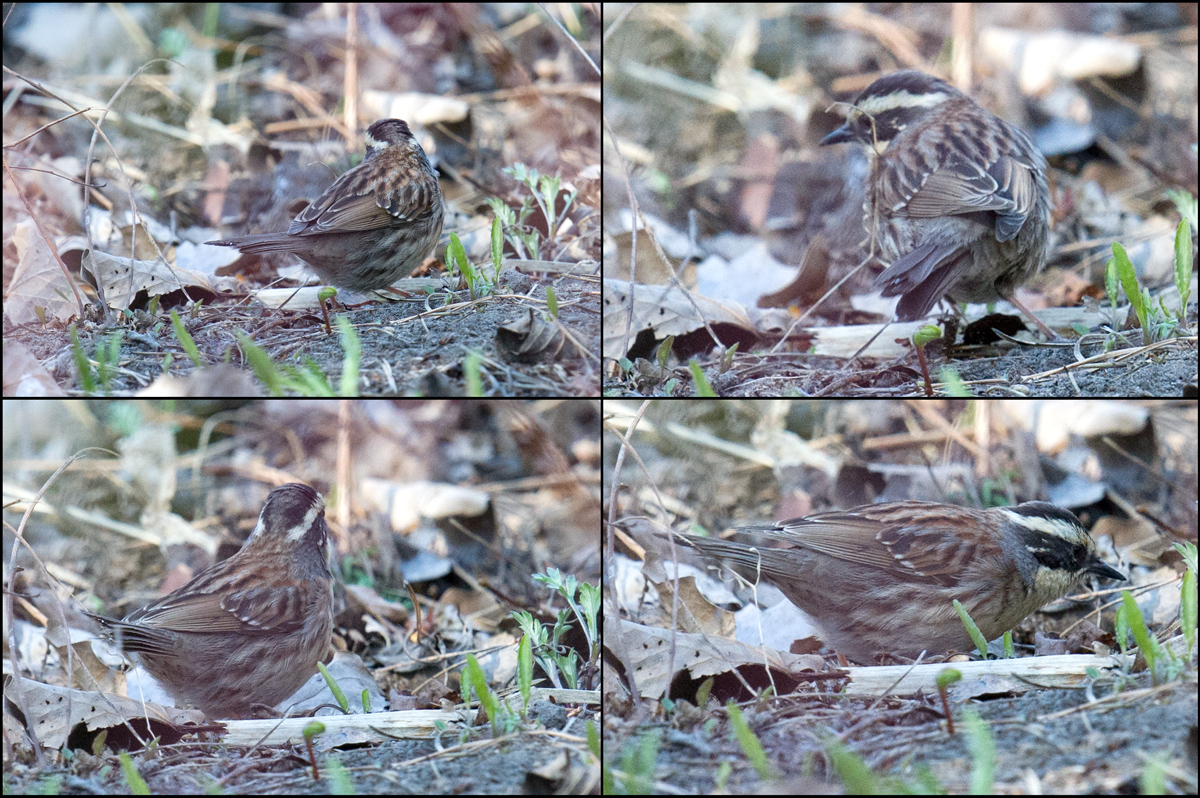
x,y
251,629
881,578
957,197
374,225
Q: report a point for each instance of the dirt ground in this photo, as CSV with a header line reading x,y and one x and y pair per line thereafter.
x,y
409,347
